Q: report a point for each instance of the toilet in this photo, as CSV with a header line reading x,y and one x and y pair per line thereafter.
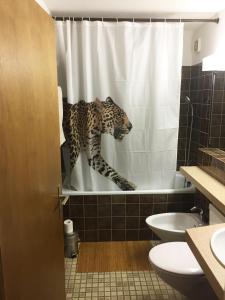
x,y
176,265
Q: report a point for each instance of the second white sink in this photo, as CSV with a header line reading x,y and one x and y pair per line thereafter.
x,y
218,245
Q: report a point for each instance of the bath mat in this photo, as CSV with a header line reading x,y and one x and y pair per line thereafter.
x,y
113,256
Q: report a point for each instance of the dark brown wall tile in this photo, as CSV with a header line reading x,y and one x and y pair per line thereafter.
x,y
90,235
182,132
76,200
90,211
146,210
174,207
132,210
132,222
219,81
76,211
185,84
104,223
143,224
104,210
118,222
159,198
188,197
131,199
146,198
186,72
66,211
118,210
116,199
132,235
90,223
175,198
104,235
92,199
215,131
159,208
145,234
104,199
118,235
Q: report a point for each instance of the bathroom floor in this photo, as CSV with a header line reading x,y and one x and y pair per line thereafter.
x,y
142,284
114,256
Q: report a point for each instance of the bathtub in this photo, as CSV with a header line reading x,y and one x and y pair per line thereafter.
x,y
180,187
120,215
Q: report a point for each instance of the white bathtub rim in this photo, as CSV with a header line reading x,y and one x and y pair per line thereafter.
x,y
189,190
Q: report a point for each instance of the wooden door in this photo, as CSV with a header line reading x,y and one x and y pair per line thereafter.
x,y
31,236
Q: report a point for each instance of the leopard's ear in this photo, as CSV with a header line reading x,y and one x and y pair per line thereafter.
x,y
109,100
98,103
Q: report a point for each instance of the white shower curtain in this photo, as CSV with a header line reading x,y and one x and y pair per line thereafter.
x,y
139,66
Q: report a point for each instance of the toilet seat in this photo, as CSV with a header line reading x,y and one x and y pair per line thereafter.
x,y
175,257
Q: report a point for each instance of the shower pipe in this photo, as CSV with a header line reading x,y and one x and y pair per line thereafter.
x,y
187,155
65,18
211,110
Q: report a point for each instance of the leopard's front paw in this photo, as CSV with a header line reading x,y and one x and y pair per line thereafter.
x,y
125,185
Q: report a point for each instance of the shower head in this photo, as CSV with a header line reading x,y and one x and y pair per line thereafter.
x,y
187,99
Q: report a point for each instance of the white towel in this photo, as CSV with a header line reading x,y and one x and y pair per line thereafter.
x,y
62,137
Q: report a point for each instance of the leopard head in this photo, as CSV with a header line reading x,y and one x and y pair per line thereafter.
x,y
114,119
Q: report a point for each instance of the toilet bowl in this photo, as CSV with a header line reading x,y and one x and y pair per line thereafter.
x,y
177,266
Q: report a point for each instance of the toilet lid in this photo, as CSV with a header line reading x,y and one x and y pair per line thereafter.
x,y
175,257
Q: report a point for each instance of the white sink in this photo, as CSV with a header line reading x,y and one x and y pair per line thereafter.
x,y
218,245
170,227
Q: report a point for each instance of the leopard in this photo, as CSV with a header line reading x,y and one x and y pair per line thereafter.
x,y
84,123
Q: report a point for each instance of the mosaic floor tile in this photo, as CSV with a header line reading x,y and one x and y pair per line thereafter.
x,y
139,285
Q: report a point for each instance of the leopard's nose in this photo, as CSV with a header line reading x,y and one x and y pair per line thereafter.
x,y
129,126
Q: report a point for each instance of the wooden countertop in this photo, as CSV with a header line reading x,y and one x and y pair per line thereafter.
x,y
207,185
199,241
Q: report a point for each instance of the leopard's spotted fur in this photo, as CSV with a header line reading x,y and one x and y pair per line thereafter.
x,y
83,125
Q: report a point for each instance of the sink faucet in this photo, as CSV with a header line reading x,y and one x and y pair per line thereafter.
x,y
199,210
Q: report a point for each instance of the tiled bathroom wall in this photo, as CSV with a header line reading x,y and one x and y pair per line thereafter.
x,y
202,202
209,112
208,121
121,217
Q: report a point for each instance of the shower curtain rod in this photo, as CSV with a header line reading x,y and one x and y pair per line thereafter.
x,y
65,18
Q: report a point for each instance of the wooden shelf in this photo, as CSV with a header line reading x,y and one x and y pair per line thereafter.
x,y
199,241
207,185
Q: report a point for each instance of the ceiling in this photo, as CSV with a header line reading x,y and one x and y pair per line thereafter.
x,y
137,8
